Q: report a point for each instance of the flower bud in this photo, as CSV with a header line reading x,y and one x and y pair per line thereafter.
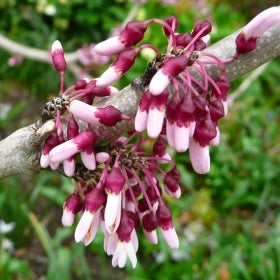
x,y
58,58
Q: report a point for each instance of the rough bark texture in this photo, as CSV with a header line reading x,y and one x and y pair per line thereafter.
x,y
20,151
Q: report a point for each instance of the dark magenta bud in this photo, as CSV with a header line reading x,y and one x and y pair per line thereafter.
x,y
164,216
125,228
114,181
72,128
109,115
203,27
73,203
80,84
94,199
205,130
149,222
216,109
85,139
223,84
133,33
182,40
185,111
159,147
244,44
172,21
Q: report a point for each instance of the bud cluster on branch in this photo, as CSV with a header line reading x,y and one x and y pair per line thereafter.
x,y
116,148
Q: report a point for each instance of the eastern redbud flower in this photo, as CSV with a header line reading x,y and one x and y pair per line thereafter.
x,y
108,116
129,37
127,243
156,114
88,224
171,182
52,141
82,143
72,206
246,40
124,61
114,186
164,218
58,58
169,70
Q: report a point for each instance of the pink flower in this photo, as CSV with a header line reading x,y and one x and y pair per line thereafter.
x,y
114,185
246,40
150,225
58,58
164,75
124,61
171,183
72,205
127,245
141,117
88,224
156,114
159,150
83,143
164,218
108,116
199,156
130,36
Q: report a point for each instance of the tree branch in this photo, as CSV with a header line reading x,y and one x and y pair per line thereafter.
x,y
20,151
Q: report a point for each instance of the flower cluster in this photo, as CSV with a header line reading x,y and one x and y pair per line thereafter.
x,y
119,184
175,104
122,194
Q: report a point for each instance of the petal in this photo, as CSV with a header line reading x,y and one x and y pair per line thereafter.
x,y
93,229
155,122
181,138
45,160
151,236
83,226
159,83
88,160
176,194
83,111
225,105
69,167
134,240
262,22
131,253
141,120
110,243
110,46
171,237
170,133
200,157
112,213
216,140
108,77
120,256
67,219
63,151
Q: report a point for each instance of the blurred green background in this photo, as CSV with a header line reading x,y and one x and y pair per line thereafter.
x,y
228,221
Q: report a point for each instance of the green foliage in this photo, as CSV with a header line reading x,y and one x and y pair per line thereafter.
x,y
228,220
